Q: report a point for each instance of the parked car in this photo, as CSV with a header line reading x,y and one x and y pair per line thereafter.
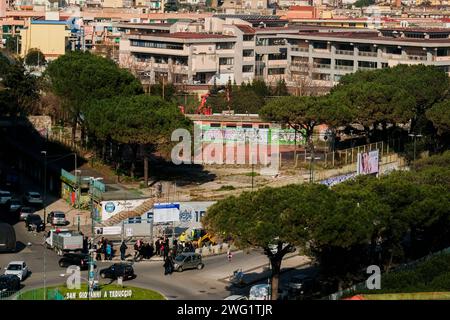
x,y
236,297
75,259
5,196
33,198
7,238
118,270
25,212
57,218
8,284
34,222
301,286
17,268
188,260
15,205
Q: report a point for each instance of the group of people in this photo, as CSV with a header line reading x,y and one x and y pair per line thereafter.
x,y
143,250
104,247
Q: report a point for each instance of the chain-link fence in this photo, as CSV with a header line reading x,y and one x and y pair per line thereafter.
x,y
34,294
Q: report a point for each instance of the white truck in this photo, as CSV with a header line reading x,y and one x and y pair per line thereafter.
x,y
64,240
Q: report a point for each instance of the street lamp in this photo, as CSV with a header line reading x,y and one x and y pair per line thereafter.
x,y
414,135
44,153
91,260
311,167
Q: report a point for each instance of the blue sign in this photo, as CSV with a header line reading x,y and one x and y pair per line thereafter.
x,y
110,207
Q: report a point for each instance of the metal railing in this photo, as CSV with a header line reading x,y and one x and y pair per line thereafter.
x,y
301,49
344,52
416,57
322,66
339,67
367,54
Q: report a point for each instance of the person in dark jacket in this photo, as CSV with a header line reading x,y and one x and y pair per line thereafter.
x,y
157,247
123,249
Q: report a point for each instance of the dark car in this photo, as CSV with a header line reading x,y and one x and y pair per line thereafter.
x,y
188,260
34,222
8,285
301,286
25,212
15,205
75,259
118,270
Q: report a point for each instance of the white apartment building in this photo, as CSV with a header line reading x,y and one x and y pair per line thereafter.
x,y
324,57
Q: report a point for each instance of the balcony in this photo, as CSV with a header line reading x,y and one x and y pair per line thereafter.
x,y
417,57
392,56
300,49
337,67
322,66
299,67
322,51
442,58
344,52
367,68
367,54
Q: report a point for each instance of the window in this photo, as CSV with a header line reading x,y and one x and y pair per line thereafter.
x,y
320,45
225,45
214,125
247,53
321,76
384,65
247,125
263,126
275,71
248,37
156,44
247,69
278,56
226,61
231,125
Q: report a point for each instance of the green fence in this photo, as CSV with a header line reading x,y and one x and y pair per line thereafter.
x,y
38,294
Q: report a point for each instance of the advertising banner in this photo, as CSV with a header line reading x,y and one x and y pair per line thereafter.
x,y
166,212
111,208
108,230
368,162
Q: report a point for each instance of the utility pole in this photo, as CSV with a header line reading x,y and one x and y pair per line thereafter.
x,y
414,137
45,220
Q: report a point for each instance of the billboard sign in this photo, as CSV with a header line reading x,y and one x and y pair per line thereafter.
x,y
166,212
108,230
368,162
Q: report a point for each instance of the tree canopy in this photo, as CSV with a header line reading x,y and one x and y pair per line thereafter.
x,y
360,222
80,77
35,57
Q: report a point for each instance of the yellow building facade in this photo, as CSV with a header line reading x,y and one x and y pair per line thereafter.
x,y
50,37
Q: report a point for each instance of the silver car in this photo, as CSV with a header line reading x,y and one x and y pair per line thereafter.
x,y
33,198
188,260
57,218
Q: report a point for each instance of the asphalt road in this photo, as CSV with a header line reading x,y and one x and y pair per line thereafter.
x,y
189,284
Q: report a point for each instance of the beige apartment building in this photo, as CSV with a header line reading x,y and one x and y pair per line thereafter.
x,y
49,36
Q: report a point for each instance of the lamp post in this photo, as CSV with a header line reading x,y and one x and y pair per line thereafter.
x,y
311,167
91,260
414,135
44,153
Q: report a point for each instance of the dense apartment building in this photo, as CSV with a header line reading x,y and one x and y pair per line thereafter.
x,y
216,51
324,57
